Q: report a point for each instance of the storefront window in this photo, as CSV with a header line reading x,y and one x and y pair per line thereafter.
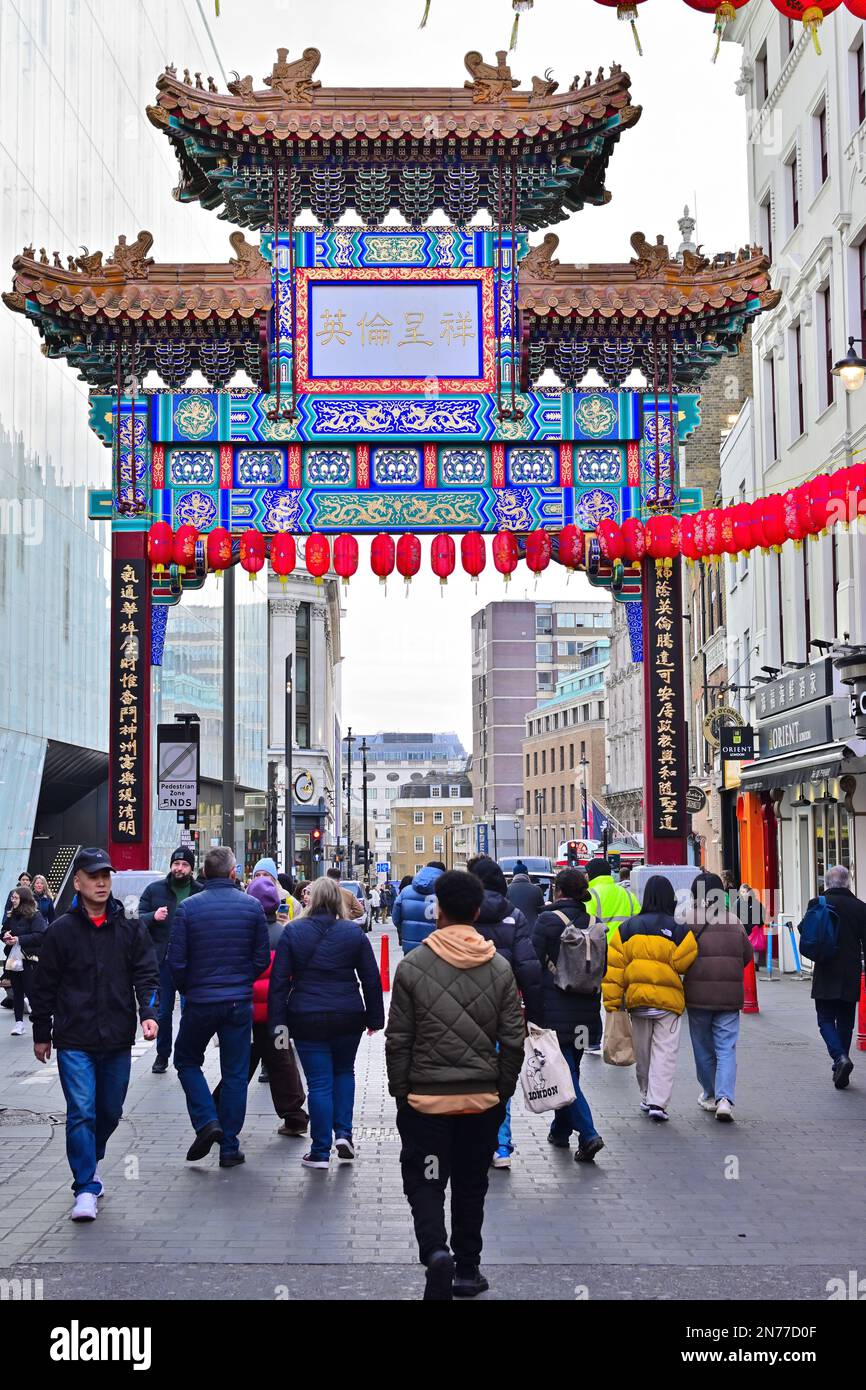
x,y
844,838
820,847
832,828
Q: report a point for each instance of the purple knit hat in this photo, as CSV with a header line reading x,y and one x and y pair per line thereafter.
x,y
267,893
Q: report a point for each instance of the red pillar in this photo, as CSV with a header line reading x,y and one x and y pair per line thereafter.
x,y
666,767
129,703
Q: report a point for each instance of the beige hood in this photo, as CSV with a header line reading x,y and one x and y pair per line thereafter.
x,y
462,947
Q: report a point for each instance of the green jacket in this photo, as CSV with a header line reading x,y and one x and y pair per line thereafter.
x,y
613,902
444,1024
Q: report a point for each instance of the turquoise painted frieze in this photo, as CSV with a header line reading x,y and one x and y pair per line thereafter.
x,y
260,467
188,467
396,467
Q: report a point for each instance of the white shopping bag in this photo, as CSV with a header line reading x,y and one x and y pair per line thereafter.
x,y
544,1076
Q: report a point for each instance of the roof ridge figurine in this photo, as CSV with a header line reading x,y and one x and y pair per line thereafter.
x,y
489,82
250,261
294,80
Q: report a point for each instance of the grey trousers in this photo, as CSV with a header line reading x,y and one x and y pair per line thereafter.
x,y
656,1045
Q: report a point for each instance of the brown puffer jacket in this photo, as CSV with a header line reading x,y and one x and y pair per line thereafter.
x,y
715,981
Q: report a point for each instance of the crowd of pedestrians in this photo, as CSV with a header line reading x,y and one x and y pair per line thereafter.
x,y
280,974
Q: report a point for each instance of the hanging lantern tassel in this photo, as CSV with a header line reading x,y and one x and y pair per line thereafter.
x,y
519,7
217,9
423,24
724,14
629,13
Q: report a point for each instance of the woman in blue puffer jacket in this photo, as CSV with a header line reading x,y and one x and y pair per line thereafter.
x,y
413,913
322,967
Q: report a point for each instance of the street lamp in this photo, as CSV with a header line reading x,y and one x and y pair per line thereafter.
x,y
495,846
539,796
517,835
584,764
364,797
851,369
290,738
348,786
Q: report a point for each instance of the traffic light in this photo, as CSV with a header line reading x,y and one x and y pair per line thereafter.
x,y
572,852
316,838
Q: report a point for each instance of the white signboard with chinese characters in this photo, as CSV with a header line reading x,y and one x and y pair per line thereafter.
x,y
358,331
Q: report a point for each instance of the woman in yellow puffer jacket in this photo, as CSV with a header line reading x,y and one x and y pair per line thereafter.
x,y
646,958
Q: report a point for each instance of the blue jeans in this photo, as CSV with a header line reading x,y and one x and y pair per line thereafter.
x,y
94,1085
233,1025
836,1025
329,1067
504,1142
576,1117
167,993
714,1042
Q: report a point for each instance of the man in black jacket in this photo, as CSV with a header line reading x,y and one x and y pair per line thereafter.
x,y
95,964
156,908
836,982
526,896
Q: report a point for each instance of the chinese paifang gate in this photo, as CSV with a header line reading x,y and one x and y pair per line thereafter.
x,y
394,370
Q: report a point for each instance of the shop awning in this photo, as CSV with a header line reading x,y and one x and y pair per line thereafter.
x,y
833,760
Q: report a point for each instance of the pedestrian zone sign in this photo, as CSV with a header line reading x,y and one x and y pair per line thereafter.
x,y
177,767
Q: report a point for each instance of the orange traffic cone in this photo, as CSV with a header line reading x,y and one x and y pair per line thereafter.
x,y
750,987
385,965
861,1017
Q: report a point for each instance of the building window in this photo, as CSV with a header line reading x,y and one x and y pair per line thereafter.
x,y
859,83
543,760
765,225
781,609
798,411
419,867
571,755
570,797
419,844
787,36
822,155
454,790
825,330
535,763
435,790
418,817
861,254
302,676
544,652
562,757
544,623
438,817
762,86
527,764
438,844
456,817
771,421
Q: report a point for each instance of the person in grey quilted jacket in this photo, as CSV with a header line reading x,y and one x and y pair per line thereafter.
x,y
454,1049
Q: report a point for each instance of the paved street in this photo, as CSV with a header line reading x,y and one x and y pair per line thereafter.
x,y
656,1217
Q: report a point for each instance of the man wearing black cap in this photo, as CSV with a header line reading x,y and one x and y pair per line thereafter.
x,y
157,906
95,965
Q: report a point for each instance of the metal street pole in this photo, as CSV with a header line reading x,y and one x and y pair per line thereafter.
x,y
228,831
349,741
364,798
517,836
290,739
495,845
538,802
584,764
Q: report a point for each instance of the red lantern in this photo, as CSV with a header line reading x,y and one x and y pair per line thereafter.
x,y
724,11
284,555
571,547
346,557
844,495
857,8
662,535
219,550
773,520
688,545
609,539
473,556
713,533
443,557
539,549
700,533
818,503
633,540
743,537
728,539
795,528
408,558
252,552
183,547
812,16
857,488
317,555
505,554
627,11
382,556
160,538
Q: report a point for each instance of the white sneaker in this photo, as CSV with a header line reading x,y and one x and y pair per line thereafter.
x,y
309,1162
18,1030
593,1051
501,1160
706,1102
725,1111
85,1207
98,1178
345,1149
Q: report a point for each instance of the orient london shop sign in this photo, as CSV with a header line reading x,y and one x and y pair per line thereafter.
x,y
666,715
131,670
805,729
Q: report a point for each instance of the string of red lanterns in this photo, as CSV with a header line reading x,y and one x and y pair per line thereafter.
x,y
767,523
810,15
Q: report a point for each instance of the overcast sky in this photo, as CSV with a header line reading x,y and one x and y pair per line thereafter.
x,y
407,659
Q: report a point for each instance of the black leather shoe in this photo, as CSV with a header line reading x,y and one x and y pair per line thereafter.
x,y
586,1152
232,1160
558,1143
471,1287
204,1141
159,1066
440,1277
841,1072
